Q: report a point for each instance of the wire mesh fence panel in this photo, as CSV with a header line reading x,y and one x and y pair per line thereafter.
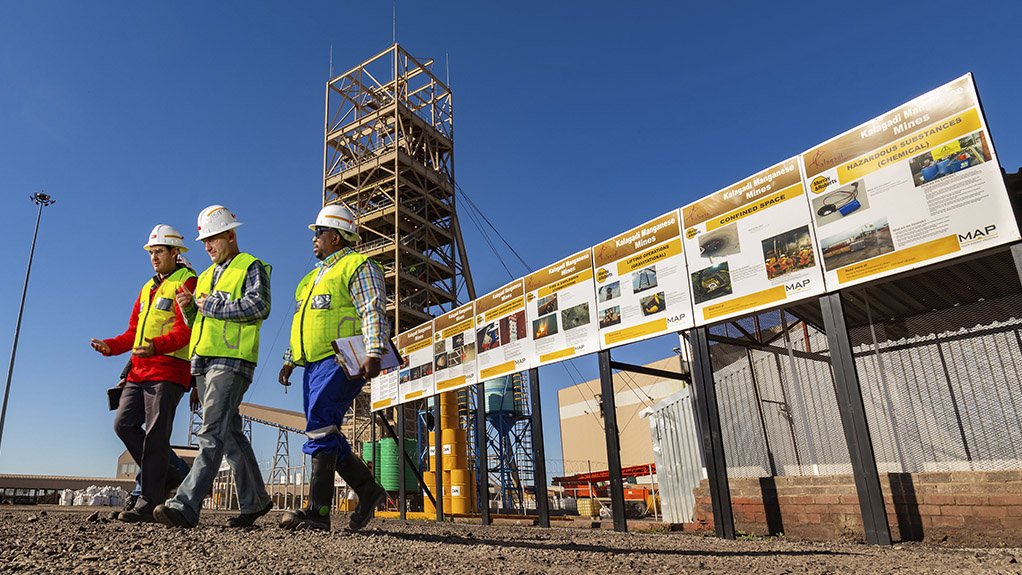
x,y
775,393
941,386
741,426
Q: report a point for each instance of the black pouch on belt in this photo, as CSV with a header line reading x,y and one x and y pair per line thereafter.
x,y
113,397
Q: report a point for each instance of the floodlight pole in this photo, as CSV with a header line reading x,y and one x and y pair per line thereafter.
x,y
42,200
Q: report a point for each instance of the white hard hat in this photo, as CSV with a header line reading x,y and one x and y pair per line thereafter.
x,y
214,220
164,235
340,218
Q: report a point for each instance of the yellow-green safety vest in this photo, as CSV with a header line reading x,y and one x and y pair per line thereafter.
x,y
156,316
219,338
324,310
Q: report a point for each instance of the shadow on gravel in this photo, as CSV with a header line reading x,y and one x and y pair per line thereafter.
x,y
533,544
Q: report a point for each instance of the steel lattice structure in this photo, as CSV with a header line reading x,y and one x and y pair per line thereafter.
x,y
388,154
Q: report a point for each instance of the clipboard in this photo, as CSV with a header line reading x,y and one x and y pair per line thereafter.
x,y
350,352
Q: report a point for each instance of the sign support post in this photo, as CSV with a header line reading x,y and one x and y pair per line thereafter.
x,y
402,496
617,488
482,463
538,451
438,457
712,438
853,420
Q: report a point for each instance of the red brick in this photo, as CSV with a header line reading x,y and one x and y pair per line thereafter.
x,y
809,518
795,499
943,521
1013,510
1007,499
988,511
746,501
989,524
827,499
850,500
928,510
1011,522
970,500
939,499
957,510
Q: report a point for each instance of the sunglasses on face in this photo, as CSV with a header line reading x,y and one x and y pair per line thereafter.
x,y
320,230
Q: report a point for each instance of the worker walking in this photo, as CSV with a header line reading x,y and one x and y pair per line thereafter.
x,y
157,336
230,302
344,295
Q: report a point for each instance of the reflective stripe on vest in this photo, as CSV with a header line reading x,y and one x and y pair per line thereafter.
x,y
218,338
156,315
324,310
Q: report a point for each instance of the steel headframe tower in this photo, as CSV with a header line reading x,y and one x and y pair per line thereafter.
x,y
388,154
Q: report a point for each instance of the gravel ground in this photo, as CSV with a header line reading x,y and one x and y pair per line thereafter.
x,y
60,540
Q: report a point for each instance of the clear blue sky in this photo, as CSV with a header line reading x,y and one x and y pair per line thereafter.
x,y
574,121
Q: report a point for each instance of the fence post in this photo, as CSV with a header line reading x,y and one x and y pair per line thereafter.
x,y
853,420
712,437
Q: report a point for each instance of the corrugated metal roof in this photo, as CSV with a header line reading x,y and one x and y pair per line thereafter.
x,y
990,278
274,415
11,481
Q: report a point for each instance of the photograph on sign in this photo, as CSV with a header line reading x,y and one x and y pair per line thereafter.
x,y
415,378
642,288
383,389
751,246
501,332
454,349
561,310
915,186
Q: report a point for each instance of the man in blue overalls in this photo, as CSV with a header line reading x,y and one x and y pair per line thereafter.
x,y
344,295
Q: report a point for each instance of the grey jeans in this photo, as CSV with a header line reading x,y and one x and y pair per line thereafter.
x,y
220,436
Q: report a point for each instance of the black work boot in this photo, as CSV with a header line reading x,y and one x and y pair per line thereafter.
x,y
316,513
370,493
130,502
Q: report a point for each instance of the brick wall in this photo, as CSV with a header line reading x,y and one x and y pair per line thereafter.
x,y
970,508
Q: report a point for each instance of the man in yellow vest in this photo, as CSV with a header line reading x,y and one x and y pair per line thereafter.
x,y
230,302
157,336
344,295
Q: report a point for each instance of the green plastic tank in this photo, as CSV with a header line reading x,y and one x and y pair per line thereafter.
x,y
388,474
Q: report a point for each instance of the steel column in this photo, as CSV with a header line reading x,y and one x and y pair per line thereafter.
x,y
402,502
617,486
712,437
853,420
437,461
538,451
1016,255
482,463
